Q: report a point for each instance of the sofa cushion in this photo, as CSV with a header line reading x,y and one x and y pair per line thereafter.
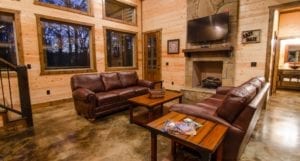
x,y
256,83
210,103
92,82
128,78
104,98
261,79
219,97
231,108
124,93
111,81
191,109
247,91
139,90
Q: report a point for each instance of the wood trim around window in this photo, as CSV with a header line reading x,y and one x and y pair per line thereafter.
x,y
135,67
90,11
18,33
117,20
93,65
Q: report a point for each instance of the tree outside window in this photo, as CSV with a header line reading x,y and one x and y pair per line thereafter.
x,y
8,47
81,5
120,49
65,45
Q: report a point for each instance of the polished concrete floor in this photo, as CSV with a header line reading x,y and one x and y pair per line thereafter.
x,y
60,135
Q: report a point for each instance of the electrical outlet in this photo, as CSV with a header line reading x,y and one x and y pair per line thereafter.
x,y
253,64
48,92
28,66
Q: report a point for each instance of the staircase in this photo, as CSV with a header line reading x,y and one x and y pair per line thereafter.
x,y
15,105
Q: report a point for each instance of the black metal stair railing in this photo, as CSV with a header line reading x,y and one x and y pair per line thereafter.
x,y
8,90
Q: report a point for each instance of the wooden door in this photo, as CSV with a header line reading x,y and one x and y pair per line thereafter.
x,y
152,55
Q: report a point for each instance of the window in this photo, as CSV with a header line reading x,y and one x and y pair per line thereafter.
x,y
75,5
65,45
120,11
8,44
121,49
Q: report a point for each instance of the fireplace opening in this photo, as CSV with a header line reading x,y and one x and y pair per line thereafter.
x,y
207,74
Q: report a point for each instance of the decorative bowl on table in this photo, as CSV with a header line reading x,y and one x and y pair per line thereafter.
x,y
293,65
156,93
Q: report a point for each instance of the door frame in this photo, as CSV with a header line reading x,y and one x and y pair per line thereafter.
x,y
270,74
160,50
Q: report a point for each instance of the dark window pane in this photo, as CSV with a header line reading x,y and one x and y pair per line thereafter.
x,y
120,49
81,5
65,45
7,38
120,11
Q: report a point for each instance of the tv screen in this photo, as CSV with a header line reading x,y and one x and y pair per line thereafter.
x,y
208,29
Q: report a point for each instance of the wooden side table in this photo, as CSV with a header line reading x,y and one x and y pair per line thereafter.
x,y
208,138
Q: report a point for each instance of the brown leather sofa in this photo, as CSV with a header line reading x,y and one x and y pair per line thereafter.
x,y
236,107
100,94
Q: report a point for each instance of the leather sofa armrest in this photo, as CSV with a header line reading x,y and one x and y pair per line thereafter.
x,y
197,111
83,94
224,90
146,83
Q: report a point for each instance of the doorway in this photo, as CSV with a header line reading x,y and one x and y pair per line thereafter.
x,y
283,34
152,55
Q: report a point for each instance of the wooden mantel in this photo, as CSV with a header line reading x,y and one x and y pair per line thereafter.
x,y
224,49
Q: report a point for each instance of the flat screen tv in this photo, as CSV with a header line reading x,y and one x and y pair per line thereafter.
x,y
208,29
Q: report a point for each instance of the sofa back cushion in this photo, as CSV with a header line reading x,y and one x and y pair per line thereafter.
x,y
231,108
111,81
92,82
128,78
247,91
256,83
261,79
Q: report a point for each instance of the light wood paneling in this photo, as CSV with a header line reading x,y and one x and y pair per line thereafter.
x,y
253,14
170,17
59,84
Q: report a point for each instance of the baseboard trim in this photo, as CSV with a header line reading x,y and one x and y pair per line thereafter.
x,y
51,103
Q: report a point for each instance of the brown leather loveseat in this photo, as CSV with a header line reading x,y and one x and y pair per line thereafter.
x,y
100,94
236,107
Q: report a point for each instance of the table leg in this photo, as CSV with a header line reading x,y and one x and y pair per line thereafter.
x,y
220,153
131,113
206,156
161,109
180,99
150,114
153,146
173,150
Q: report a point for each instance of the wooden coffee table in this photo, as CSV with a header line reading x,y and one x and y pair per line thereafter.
x,y
206,141
151,104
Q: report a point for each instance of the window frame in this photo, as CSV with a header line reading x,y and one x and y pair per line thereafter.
x,y
44,71
18,36
135,59
117,20
88,13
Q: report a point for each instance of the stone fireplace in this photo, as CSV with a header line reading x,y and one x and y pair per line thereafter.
x,y
202,64
204,70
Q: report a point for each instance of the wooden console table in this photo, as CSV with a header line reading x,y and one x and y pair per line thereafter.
x,y
208,138
288,79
